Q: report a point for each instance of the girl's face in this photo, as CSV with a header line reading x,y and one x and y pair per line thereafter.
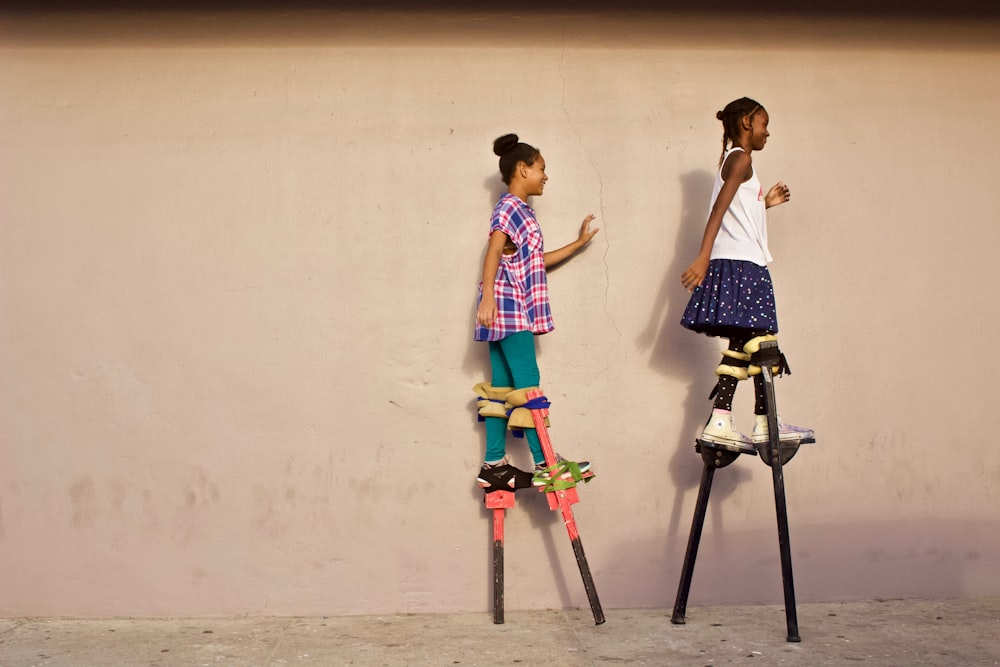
x,y
534,176
758,130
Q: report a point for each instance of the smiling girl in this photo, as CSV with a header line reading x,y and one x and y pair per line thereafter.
x,y
732,295
514,305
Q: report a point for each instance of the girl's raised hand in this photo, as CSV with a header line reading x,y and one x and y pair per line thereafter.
x,y
554,258
695,273
586,233
778,194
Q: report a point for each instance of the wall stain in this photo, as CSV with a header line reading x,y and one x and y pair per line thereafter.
x,y
81,495
198,497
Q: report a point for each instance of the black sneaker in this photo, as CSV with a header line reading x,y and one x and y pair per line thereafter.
x,y
503,477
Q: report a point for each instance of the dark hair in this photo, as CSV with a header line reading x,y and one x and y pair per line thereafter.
x,y
731,117
512,151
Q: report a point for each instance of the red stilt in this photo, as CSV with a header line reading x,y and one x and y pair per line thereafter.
x,y
498,501
562,499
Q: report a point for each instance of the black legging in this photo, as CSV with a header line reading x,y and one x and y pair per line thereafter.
x,y
725,389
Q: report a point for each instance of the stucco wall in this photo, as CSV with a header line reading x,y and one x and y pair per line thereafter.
x,y
237,275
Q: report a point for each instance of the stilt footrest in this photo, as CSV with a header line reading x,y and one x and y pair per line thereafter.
x,y
496,500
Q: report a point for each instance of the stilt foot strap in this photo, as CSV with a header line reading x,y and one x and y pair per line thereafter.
x,y
564,475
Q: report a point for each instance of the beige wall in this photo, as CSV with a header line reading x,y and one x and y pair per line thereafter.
x,y
237,270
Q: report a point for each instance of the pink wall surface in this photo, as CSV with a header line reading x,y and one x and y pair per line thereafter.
x,y
238,262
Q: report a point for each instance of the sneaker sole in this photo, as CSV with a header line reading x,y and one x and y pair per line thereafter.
x,y
794,440
728,446
487,485
724,441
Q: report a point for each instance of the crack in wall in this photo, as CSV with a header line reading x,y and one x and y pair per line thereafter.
x,y
603,222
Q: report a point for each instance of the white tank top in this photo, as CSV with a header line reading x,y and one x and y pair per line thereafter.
x,y
743,234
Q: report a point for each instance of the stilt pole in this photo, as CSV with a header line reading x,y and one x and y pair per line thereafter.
x,y
498,501
562,499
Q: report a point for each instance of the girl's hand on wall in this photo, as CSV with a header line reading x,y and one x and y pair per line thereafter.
x,y
554,258
695,273
586,233
778,194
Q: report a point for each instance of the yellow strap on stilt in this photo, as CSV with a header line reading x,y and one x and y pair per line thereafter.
x,y
734,354
520,418
738,372
753,345
518,397
754,369
491,400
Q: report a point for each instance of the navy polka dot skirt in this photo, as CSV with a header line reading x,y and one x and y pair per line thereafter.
x,y
735,295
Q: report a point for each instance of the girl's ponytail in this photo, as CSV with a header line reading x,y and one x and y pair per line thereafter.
x,y
731,117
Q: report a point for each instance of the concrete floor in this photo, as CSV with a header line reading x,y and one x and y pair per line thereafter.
x,y
894,632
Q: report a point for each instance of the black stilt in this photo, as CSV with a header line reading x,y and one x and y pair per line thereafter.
x,y
687,572
777,461
588,582
498,572
713,458
773,453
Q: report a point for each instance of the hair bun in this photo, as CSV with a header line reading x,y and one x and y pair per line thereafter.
x,y
505,144
719,115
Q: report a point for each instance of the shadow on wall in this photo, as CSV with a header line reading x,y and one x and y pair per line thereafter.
x,y
476,363
477,358
686,356
932,559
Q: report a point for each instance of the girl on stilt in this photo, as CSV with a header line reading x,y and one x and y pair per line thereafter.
x,y
514,308
731,291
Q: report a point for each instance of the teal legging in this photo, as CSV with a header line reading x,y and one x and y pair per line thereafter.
x,y
513,364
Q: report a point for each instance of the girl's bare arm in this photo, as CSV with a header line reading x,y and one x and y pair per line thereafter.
x,y
562,254
733,174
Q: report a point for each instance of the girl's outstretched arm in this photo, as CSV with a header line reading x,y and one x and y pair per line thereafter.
x,y
778,194
486,314
734,172
562,254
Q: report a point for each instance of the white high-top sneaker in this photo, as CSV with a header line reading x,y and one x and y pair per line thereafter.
x,y
721,430
786,432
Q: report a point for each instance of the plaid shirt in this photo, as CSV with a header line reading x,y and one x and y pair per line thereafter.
x,y
521,288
